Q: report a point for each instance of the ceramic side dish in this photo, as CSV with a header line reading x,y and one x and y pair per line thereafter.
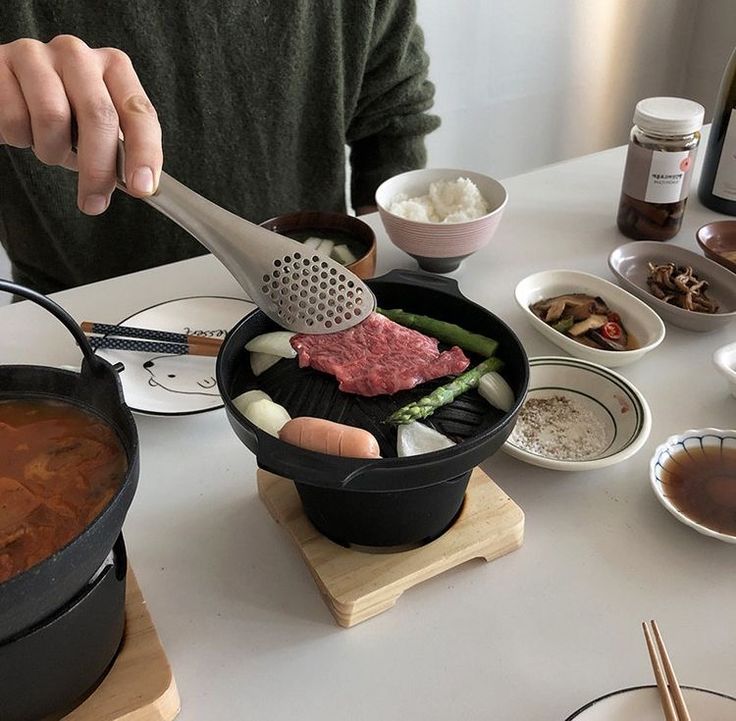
x,y
691,453
642,704
629,265
725,360
174,385
615,405
717,240
640,320
439,247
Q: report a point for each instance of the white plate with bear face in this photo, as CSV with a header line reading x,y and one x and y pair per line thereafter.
x,y
163,384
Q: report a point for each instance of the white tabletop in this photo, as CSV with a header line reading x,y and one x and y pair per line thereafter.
x,y
530,636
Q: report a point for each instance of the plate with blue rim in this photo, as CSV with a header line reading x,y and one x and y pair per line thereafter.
x,y
578,416
642,704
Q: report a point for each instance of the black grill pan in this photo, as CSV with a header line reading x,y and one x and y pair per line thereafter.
x,y
391,501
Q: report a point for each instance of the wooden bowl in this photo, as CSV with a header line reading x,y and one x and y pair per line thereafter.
x,y
718,242
316,222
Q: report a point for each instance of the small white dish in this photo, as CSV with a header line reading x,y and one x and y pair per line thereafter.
x,y
642,704
725,360
637,317
616,405
629,263
176,385
695,443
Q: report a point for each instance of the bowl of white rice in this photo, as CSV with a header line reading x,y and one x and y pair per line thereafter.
x,y
440,216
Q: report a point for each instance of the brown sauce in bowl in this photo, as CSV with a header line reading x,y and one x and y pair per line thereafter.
x,y
702,485
60,466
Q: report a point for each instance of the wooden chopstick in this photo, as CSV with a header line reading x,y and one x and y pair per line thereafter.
x,y
145,346
670,694
124,331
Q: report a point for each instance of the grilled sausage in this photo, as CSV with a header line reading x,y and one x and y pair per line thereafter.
x,y
334,439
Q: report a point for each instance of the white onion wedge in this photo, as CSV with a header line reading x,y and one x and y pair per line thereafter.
x,y
342,254
261,362
496,391
415,438
267,415
274,343
242,401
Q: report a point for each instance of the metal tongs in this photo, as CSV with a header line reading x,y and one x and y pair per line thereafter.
x,y
297,288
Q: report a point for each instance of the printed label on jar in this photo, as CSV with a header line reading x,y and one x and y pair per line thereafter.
x,y
724,185
656,176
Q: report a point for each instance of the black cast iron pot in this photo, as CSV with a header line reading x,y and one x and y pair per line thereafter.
x,y
390,501
49,669
29,597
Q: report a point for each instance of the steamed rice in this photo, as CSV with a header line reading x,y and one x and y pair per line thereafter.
x,y
448,201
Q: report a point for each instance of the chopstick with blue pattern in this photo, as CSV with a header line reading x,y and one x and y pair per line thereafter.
x,y
148,340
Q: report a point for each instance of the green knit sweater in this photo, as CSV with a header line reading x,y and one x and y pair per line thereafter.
x,y
257,100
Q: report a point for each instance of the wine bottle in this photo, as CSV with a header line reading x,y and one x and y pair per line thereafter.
x,y
717,189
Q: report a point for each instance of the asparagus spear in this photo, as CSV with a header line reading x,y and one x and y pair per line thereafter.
x,y
444,394
446,332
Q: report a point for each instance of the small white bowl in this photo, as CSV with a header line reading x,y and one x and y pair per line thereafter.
x,y
692,441
725,360
439,247
617,404
637,317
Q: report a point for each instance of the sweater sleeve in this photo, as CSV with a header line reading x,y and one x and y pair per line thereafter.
x,y
386,133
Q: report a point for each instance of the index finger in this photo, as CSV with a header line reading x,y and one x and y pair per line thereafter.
x,y
138,122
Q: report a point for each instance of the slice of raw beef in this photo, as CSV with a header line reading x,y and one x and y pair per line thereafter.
x,y
378,357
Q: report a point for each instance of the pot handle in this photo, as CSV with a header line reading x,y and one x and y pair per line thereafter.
x,y
95,363
421,280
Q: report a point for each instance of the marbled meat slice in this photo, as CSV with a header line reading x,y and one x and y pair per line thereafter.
x,y
378,357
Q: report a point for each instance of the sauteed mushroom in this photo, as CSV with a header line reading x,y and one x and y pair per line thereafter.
x,y
679,286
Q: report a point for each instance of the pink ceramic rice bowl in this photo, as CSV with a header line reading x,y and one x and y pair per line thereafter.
x,y
439,247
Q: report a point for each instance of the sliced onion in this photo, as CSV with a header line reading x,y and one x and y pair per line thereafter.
x,y
242,401
267,415
261,362
274,343
415,438
496,391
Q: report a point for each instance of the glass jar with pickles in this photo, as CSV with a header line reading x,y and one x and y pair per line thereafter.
x,y
659,164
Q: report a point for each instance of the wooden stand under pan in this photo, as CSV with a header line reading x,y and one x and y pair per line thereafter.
x,y
357,586
139,685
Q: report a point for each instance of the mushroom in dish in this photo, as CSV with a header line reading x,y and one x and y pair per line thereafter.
x,y
586,319
678,285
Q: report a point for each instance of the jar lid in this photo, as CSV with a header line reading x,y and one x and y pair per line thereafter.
x,y
669,116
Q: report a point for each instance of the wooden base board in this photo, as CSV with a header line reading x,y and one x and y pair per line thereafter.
x,y
140,685
356,585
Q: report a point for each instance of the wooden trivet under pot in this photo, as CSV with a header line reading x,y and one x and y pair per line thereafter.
x,y
356,585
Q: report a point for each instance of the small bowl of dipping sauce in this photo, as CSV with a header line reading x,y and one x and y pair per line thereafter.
x,y
440,216
694,477
344,238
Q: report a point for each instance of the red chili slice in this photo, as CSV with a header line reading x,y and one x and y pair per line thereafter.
x,y
612,330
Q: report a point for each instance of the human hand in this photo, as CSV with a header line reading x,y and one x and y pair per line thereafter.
x,y
43,86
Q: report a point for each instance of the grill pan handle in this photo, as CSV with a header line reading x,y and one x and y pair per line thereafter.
x,y
315,469
422,280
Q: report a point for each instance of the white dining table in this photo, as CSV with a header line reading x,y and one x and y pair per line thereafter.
x,y
531,636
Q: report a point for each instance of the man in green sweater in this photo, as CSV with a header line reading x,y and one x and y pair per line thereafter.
x,y
250,103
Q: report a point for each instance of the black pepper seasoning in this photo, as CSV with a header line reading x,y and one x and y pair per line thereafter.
x,y
659,163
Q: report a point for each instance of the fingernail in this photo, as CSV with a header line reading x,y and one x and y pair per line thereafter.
x,y
95,204
143,181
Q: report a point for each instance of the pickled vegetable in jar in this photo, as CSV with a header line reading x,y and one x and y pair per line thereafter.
x,y
659,163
